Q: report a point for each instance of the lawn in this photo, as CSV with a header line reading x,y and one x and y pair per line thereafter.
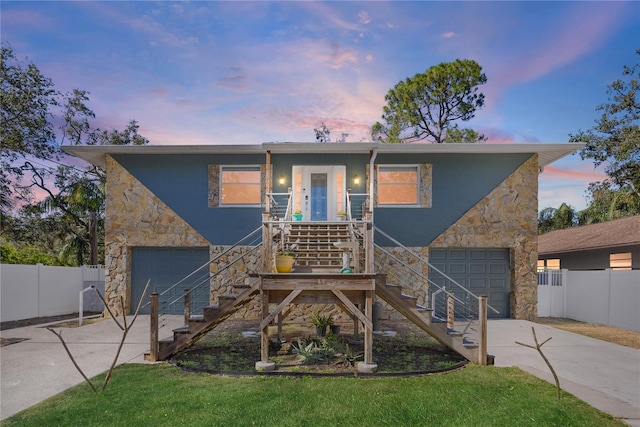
x,y
158,395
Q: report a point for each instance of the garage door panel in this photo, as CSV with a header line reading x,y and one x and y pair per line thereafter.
x,y
166,266
480,270
457,268
477,268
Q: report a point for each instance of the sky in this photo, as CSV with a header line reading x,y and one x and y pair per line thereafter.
x,y
207,72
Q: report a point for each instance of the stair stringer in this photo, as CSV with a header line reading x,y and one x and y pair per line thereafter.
x,y
437,330
186,336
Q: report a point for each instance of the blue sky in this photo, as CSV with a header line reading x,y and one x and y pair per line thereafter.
x,y
250,72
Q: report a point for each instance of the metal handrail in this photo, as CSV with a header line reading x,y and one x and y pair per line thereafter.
x,y
206,264
432,267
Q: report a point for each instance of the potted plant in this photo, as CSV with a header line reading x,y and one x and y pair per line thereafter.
x,y
342,216
297,216
321,322
284,261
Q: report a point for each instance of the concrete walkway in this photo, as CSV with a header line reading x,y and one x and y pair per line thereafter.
x,y
607,376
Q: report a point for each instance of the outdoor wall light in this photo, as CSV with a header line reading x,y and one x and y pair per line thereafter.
x,y
356,179
282,181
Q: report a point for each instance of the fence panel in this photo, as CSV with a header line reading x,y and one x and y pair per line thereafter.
x,y
37,290
19,292
604,297
624,302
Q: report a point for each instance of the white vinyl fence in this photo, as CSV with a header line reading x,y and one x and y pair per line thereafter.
x,y
605,297
28,291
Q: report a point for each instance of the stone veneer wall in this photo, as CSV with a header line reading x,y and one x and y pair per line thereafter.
x,y
506,218
136,217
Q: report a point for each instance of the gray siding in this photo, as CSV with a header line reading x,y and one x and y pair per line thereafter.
x,y
593,259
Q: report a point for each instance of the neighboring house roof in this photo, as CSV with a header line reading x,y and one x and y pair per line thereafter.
x,y
547,153
610,234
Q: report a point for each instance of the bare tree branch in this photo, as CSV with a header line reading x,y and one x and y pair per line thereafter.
x,y
539,349
59,335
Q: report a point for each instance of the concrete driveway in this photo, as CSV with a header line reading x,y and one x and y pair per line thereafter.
x,y
35,369
607,376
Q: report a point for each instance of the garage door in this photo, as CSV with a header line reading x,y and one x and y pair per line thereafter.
x,y
483,271
165,267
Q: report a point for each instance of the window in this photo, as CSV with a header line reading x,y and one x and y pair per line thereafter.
x,y
548,264
621,261
398,185
240,185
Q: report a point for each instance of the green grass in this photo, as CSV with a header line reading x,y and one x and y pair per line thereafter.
x,y
159,395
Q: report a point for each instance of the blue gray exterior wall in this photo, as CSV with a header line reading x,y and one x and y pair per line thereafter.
x,y
459,183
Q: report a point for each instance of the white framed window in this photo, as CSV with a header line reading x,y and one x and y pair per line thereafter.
x,y
398,185
620,261
240,186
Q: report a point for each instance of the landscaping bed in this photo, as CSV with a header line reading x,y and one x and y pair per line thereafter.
x,y
234,348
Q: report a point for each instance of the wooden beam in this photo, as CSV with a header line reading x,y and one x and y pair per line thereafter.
x,y
266,320
366,321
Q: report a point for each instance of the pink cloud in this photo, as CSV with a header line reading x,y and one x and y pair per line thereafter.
x,y
583,30
582,174
448,35
364,17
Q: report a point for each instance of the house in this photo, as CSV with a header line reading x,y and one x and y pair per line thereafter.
x,y
613,244
434,219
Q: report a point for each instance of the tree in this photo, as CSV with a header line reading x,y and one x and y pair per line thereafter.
x,y
615,142
607,204
322,133
550,219
26,98
425,106
74,197
455,135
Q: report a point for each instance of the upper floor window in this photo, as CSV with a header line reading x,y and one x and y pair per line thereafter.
x,y
620,261
240,185
398,185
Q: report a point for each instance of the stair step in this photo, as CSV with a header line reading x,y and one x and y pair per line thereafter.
x,y
454,333
196,318
181,330
422,308
241,286
469,344
166,341
437,320
405,296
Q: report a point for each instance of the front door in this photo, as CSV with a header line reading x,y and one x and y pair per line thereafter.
x,y
319,192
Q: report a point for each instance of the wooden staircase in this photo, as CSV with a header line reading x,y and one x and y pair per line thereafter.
x,y
211,316
437,328
314,243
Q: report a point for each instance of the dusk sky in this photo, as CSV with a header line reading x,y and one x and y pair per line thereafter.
x,y
252,72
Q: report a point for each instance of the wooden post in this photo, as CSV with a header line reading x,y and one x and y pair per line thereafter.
x,y
368,242
153,353
451,318
268,181
280,327
264,339
187,306
368,331
482,330
267,256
